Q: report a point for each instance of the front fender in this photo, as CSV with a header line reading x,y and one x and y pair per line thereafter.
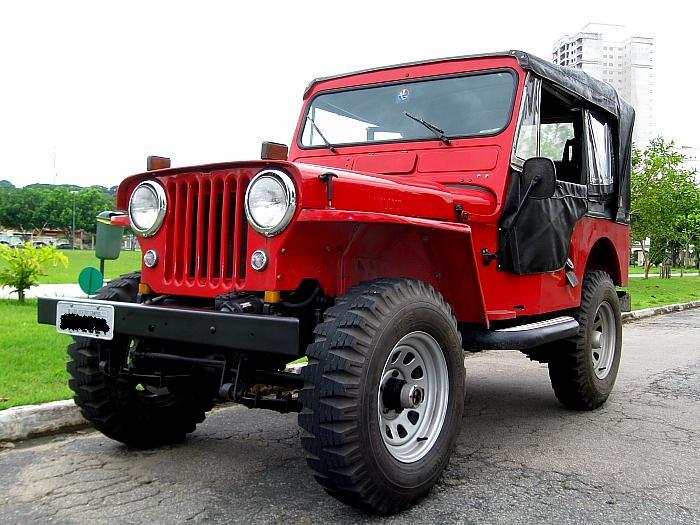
x,y
370,245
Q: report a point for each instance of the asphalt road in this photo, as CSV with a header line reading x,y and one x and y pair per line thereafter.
x,y
521,458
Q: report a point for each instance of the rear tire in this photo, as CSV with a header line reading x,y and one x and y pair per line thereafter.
x,y
383,397
136,417
583,369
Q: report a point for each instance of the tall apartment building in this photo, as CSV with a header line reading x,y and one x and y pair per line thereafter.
x,y
608,52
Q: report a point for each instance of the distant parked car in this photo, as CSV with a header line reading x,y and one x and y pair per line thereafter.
x,y
5,243
64,245
37,244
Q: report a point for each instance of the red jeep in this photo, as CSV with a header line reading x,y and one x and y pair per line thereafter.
x,y
423,210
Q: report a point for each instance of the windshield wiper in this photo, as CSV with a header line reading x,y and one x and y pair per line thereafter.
x,y
320,134
437,131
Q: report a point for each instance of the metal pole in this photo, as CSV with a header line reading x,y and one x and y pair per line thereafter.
x,y
73,242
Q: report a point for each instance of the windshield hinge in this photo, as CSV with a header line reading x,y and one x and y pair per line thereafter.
x,y
462,216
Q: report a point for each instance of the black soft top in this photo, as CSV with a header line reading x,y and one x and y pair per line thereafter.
x,y
575,81
602,95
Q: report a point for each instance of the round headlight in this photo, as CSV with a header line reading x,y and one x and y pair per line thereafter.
x,y
270,201
147,207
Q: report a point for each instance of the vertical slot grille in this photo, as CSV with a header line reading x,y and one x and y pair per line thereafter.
x,y
206,238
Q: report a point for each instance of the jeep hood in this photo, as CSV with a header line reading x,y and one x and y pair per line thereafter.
x,y
351,190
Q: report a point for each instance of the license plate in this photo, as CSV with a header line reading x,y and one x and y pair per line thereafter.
x,y
85,320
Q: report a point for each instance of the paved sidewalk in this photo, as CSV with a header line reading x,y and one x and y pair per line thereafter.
x,y
45,290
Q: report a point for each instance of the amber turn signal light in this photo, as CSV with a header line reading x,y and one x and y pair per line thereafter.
x,y
272,296
157,163
273,151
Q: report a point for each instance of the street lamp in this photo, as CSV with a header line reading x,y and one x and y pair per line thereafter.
x,y
74,192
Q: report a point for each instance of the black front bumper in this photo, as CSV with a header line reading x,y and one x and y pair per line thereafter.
x,y
246,333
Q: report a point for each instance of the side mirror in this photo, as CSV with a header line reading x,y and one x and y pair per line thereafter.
x,y
540,177
273,151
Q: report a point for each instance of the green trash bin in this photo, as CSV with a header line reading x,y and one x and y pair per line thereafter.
x,y
109,237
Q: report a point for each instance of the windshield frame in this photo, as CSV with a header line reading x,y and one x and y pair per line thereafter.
x,y
508,122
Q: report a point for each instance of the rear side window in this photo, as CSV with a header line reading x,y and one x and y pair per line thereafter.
x,y
600,154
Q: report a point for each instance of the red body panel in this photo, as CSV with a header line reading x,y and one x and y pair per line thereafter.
x,y
392,215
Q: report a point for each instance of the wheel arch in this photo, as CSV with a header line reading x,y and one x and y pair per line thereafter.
x,y
603,256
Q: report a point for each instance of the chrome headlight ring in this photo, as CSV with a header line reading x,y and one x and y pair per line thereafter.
x,y
289,200
160,208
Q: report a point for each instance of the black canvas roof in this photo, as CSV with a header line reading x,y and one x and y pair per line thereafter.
x,y
575,81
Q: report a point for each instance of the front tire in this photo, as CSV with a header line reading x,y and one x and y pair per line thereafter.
x,y
136,415
383,395
583,372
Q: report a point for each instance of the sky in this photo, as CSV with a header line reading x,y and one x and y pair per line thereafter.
x,y
89,89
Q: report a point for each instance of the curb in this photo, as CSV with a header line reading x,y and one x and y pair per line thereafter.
x,y
34,420
635,315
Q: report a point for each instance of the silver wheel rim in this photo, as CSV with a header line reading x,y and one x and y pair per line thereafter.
x,y
603,339
412,398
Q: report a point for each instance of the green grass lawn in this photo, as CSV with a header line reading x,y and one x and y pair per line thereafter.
x,y
658,292
78,259
32,357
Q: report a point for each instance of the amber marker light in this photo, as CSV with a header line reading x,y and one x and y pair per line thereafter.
x,y
157,163
272,296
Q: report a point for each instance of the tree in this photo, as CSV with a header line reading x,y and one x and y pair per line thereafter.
x,y
41,206
662,191
688,228
90,202
25,265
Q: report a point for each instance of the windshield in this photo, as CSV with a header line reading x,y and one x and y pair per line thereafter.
x,y
473,105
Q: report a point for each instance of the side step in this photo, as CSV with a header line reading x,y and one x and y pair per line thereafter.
x,y
523,336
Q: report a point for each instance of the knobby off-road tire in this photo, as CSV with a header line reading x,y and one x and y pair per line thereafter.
x,y
401,336
136,417
583,369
